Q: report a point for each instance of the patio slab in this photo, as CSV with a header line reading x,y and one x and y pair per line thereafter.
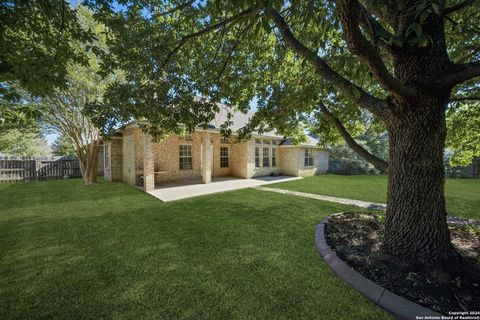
x,y
187,189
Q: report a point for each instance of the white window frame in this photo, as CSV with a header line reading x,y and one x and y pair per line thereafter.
x,y
223,157
185,156
308,157
257,157
274,157
266,157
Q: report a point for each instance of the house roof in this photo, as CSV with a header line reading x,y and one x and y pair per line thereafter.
x,y
239,120
311,142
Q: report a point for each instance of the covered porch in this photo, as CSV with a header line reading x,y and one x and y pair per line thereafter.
x,y
177,190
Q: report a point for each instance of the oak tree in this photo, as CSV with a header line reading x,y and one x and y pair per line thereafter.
x,y
400,60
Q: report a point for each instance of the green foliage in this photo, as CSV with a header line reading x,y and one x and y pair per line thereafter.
x,y
170,56
235,64
463,138
461,195
22,142
63,146
37,42
65,109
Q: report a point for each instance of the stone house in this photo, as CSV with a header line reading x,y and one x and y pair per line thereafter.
x,y
131,156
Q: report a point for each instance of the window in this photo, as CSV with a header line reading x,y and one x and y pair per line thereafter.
x,y
308,158
225,140
224,159
258,141
274,157
265,141
274,142
266,157
257,157
188,137
185,157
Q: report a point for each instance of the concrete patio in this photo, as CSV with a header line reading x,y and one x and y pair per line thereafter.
x,y
177,190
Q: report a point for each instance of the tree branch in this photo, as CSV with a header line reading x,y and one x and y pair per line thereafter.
x,y
210,28
361,151
353,92
458,99
179,7
350,18
460,73
458,6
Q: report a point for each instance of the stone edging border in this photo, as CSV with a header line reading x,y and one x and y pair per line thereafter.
x,y
399,307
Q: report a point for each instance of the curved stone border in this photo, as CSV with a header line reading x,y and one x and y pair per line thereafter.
x,y
399,307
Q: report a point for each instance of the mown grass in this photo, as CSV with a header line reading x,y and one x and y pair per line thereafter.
x,y
109,251
462,195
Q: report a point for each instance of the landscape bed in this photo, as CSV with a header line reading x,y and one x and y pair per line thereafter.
x,y
356,239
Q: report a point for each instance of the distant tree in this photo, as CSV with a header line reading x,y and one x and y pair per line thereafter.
x,y
63,146
22,142
463,133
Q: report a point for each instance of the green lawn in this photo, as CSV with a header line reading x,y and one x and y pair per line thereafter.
x,y
110,251
462,195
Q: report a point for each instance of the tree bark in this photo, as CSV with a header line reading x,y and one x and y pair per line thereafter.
x,y
88,162
416,230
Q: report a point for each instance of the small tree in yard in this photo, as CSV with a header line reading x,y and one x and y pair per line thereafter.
x,y
65,110
402,61
63,146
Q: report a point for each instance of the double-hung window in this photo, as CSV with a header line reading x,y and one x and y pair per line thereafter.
x,y
224,157
266,157
308,157
257,157
274,157
185,157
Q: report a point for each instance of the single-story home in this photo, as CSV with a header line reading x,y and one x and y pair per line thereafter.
x,y
131,156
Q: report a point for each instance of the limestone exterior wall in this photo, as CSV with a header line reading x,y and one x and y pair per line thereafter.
x,y
100,162
320,163
166,154
252,169
293,161
218,171
129,146
289,159
239,159
113,160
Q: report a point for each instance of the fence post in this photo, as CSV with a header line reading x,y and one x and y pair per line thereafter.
x,y
36,170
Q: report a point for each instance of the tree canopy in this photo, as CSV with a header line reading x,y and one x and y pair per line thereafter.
x,y
239,51
38,40
401,61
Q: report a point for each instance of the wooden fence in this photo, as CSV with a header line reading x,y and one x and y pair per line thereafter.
x,y
16,169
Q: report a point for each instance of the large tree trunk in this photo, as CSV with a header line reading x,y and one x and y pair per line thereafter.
x,y
416,230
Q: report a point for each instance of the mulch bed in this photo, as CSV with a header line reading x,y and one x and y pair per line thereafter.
x,y
356,239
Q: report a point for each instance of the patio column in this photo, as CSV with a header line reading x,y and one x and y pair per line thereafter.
x,y
148,164
207,158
